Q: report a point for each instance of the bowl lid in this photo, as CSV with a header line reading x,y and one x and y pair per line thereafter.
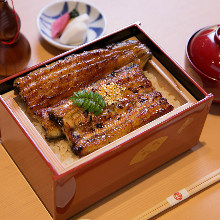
x,y
204,51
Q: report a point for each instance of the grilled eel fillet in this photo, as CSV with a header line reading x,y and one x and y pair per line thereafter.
x,y
131,102
46,86
43,88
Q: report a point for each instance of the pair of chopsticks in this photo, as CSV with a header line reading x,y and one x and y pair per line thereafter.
x,y
179,196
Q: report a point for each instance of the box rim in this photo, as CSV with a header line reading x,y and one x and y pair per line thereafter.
x,y
62,55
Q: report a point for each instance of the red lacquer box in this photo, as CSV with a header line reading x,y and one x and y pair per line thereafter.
x,y
67,189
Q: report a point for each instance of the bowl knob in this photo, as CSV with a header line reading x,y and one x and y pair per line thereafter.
x,y
217,36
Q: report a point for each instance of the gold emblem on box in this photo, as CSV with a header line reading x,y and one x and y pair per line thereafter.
x,y
184,125
148,149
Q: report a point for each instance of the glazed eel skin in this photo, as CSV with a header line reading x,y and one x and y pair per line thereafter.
x,y
131,101
47,87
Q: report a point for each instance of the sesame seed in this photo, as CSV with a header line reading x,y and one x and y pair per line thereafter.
x,y
111,92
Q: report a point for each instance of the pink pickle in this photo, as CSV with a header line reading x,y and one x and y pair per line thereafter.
x,y
59,25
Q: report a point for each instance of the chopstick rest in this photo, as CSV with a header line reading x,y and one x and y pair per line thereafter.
x,y
181,195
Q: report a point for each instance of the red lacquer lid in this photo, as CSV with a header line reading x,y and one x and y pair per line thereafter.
x,y
204,51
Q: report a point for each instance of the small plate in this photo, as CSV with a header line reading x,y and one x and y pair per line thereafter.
x,y
51,12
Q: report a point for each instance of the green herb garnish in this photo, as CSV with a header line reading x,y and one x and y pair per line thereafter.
x,y
92,102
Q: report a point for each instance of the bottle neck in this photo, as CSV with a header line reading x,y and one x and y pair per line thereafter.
x,y
10,23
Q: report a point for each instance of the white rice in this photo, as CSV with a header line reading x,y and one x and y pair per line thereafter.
x,y
165,93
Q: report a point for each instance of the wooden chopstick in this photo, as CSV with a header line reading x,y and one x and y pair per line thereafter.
x,y
179,196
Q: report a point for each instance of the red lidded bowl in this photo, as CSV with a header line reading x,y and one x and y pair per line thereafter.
x,y
203,53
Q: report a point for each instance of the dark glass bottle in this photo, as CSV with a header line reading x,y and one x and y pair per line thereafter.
x,y
15,49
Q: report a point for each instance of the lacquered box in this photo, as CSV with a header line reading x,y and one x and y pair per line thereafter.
x,y
67,190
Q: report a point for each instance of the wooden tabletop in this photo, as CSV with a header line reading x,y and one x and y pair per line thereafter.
x,y
170,23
